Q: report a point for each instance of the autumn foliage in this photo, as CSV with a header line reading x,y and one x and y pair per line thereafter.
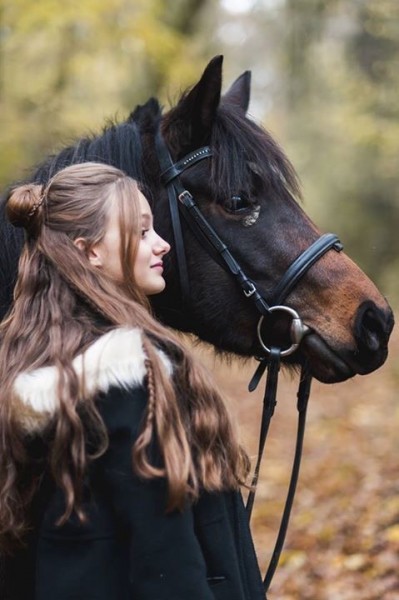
x,y
343,539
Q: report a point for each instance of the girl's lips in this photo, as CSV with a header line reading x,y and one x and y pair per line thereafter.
x,y
157,266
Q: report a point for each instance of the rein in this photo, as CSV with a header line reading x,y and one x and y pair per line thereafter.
x,y
182,203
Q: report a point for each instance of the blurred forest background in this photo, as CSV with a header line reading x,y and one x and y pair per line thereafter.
x,y
325,83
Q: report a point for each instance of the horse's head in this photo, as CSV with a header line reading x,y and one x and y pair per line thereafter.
x,y
247,191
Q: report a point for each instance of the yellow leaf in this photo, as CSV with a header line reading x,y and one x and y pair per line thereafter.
x,y
355,562
392,533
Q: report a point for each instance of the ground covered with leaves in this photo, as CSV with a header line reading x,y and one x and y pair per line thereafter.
x,y
343,539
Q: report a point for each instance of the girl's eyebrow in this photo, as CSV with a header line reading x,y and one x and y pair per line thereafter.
x,y
146,218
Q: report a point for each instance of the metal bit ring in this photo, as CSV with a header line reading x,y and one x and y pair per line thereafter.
x,y
297,330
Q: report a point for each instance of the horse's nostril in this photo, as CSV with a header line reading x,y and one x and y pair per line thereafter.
x,y
371,331
372,328
372,341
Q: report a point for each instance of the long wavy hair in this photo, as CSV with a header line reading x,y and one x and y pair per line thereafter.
x,y
61,305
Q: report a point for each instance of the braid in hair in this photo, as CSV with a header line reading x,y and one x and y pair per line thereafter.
x,y
166,426
139,450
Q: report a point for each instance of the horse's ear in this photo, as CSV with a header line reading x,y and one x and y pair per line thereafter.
x,y
196,110
239,92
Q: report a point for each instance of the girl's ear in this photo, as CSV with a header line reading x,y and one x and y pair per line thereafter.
x,y
93,253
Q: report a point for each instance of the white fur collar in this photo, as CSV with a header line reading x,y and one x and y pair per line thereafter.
x,y
115,359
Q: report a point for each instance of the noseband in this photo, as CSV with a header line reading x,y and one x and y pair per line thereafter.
x,y
182,203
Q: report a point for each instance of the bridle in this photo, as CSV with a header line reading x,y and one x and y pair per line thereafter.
x,y
182,203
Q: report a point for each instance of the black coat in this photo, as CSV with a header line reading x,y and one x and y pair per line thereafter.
x,y
129,548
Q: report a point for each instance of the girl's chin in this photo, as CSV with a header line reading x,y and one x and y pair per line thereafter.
x,y
155,288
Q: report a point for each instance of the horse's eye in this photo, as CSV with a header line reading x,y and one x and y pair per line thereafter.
x,y
237,204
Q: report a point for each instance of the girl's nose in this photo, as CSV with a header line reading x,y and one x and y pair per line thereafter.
x,y
162,246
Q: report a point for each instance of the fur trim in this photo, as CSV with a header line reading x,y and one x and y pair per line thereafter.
x,y
115,359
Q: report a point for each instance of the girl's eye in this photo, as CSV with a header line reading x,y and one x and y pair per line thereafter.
x,y
143,232
237,205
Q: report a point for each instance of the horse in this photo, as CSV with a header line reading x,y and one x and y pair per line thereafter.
x,y
248,191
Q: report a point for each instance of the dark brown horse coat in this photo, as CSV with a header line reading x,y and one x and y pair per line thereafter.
x,y
128,548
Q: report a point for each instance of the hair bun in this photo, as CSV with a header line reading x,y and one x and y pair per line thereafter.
x,y
24,205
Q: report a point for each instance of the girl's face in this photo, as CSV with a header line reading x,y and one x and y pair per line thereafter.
x,y
148,266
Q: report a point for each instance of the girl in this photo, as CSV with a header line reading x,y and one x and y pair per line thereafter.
x,y
119,467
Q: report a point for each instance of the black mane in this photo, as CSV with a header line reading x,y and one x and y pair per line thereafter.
x,y
241,147
119,145
238,143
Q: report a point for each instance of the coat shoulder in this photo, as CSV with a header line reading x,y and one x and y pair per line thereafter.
x,y
115,360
